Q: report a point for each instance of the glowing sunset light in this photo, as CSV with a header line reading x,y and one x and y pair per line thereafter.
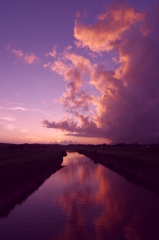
x,y
81,72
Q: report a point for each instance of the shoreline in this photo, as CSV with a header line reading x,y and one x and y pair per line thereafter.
x,y
132,170
17,196
13,194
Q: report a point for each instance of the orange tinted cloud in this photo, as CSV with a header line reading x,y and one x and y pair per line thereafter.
x,y
108,29
73,67
28,58
123,104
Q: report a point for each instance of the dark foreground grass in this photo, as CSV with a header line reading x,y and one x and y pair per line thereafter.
x,y
26,168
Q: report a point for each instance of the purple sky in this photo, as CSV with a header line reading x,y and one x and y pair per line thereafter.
x,y
79,71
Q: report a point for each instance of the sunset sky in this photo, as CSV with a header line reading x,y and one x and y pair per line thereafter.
x,y
79,71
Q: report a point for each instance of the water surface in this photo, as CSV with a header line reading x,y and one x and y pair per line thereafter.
x,y
84,201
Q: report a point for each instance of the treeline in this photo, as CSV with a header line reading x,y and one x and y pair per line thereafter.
x,y
12,146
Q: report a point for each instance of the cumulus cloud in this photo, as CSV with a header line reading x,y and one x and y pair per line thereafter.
x,y
64,124
86,127
126,99
73,67
28,58
102,36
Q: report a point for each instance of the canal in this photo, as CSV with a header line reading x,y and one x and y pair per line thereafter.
x,y
84,200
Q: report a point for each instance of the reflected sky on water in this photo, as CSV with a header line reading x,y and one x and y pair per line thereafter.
x,y
84,201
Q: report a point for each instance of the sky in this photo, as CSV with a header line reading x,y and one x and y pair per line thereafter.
x,y
79,71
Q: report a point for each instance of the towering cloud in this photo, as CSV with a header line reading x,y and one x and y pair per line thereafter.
x,y
125,103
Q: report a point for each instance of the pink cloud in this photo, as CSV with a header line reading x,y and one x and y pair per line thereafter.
x,y
18,53
108,29
58,66
126,99
73,67
53,53
28,58
74,101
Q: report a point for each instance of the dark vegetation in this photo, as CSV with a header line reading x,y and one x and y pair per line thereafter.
x,y
24,167
137,163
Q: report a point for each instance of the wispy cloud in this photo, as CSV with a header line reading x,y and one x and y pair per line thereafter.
x,y
53,53
8,119
10,127
9,122
28,58
24,130
18,53
25,109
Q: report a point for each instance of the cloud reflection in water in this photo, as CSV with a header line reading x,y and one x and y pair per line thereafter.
x,y
95,201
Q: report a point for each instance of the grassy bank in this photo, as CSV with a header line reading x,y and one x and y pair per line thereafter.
x,y
138,164
24,167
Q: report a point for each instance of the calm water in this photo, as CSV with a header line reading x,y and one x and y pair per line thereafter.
x,y
84,201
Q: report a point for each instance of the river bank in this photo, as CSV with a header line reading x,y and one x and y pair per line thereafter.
x,y
23,169
140,166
